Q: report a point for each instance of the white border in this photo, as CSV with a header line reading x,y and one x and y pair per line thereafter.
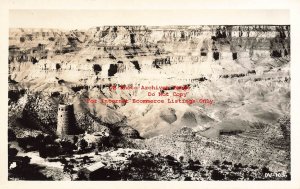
x,y
179,7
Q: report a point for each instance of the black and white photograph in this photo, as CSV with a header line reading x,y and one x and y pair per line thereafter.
x,y
139,101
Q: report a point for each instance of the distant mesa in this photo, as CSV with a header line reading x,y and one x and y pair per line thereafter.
x,y
189,119
168,115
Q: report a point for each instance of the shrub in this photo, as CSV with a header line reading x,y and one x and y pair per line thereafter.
x,y
11,135
217,175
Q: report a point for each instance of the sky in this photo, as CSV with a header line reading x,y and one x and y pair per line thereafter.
x,y
84,19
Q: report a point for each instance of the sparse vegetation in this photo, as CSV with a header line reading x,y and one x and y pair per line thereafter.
x,y
247,79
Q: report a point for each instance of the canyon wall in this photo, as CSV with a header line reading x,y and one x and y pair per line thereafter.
x,y
85,57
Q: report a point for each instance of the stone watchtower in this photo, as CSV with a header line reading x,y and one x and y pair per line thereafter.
x,y
65,120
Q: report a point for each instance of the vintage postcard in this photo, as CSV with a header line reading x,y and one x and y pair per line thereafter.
x,y
107,95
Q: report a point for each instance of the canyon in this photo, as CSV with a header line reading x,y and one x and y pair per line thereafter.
x,y
240,73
